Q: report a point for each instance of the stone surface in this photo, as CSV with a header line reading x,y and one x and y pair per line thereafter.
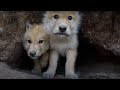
x,y
101,29
7,73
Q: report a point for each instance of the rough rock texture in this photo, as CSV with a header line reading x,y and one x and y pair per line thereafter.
x,y
7,73
101,29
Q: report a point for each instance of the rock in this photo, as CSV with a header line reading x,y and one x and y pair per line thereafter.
x,y
7,73
101,29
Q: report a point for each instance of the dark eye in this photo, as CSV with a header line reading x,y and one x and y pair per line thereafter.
x,y
70,17
56,16
40,41
29,41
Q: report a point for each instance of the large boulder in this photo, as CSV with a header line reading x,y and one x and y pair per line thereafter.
x,y
102,29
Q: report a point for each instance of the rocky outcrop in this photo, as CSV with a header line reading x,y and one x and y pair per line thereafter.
x,y
102,29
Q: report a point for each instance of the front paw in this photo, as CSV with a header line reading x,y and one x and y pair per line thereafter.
x,y
48,75
71,76
36,71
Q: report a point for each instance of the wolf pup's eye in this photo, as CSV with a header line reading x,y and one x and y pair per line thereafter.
x,y
29,41
56,16
70,17
40,41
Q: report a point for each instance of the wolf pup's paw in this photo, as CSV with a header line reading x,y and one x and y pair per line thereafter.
x,y
71,76
36,71
48,75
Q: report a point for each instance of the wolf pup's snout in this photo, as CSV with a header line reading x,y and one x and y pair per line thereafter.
x,y
62,29
32,54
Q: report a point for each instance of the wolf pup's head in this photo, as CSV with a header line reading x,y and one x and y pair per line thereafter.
x,y
62,23
35,40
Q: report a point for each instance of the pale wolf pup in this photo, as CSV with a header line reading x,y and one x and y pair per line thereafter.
x,y
36,43
62,27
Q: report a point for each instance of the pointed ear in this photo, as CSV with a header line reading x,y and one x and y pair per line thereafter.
x,y
27,25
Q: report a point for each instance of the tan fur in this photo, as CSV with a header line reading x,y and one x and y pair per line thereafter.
x,y
60,13
35,33
65,45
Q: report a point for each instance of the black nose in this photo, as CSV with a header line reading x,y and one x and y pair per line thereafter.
x,y
32,54
62,29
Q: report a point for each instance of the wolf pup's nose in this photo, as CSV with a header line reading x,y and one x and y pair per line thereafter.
x,y
32,54
62,29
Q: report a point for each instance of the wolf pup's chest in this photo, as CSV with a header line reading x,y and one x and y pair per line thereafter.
x,y
62,47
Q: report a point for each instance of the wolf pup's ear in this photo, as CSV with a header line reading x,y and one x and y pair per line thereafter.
x,y
27,25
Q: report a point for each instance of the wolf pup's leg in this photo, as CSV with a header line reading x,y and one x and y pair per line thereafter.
x,y
52,65
45,59
70,64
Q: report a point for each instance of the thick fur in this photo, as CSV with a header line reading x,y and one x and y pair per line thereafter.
x,y
34,33
64,44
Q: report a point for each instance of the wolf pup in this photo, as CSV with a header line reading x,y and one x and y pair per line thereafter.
x,y
36,43
62,26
